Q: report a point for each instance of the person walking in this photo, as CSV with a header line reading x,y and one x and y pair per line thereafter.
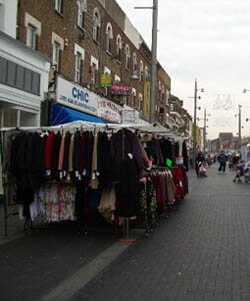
x,y
198,160
222,158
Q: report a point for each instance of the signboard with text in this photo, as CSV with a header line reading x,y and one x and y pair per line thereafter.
x,y
121,90
84,100
106,80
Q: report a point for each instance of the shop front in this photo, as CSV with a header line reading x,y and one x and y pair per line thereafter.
x,y
73,102
23,83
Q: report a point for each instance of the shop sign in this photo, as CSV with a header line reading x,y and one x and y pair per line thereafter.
x,y
84,100
106,80
109,110
121,90
76,97
129,115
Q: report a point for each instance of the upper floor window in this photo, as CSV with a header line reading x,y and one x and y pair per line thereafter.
x,y
167,96
31,36
82,8
56,55
134,62
141,70
78,67
127,57
59,6
109,37
118,48
96,26
162,93
159,90
94,71
146,73
140,102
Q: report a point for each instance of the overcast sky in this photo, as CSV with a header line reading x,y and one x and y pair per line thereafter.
x,y
207,40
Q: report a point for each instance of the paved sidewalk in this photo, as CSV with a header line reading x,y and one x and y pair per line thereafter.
x,y
200,253
15,226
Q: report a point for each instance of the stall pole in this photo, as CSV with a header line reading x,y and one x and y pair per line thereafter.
x,y
125,220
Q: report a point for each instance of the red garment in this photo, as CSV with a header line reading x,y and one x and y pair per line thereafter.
x,y
160,194
48,154
178,177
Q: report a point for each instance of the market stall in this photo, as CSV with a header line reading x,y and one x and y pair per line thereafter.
x,y
66,172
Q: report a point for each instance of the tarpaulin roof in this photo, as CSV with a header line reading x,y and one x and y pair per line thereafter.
x,y
62,115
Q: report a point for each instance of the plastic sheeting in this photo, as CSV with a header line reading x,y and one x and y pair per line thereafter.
x,y
62,115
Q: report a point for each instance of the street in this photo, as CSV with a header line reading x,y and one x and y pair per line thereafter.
x,y
201,252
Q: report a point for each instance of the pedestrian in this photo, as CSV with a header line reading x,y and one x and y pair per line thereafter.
x,y
222,158
198,160
239,171
235,160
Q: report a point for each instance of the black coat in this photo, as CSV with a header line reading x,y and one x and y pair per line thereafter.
x,y
66,151
104,160
129,189
76,154
185,155
122,143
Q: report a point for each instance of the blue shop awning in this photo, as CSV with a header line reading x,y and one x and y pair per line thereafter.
x,y
61,115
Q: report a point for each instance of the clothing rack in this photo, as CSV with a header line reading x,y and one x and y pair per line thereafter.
x,y
74,127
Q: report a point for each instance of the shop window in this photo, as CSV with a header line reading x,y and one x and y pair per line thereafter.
x,y
59,6
11,75
56,55
10,117
78,65
3,68
27,80
31,36
19,77
35,83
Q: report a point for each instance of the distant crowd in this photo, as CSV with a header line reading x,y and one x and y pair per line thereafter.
x,y
238,162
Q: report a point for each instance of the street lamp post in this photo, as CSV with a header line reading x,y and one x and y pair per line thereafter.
x,y
247,119
195,130
239,145
153,78
205,129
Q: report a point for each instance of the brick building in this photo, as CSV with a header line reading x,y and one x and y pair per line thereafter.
x,y
86,39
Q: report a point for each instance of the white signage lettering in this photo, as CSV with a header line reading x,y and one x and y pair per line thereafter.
x,y
82,99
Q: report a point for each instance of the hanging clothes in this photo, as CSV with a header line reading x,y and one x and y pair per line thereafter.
x,y
122,143
94,172
185,155
49,155
128,189
65,165
107,204
61,153
55,155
